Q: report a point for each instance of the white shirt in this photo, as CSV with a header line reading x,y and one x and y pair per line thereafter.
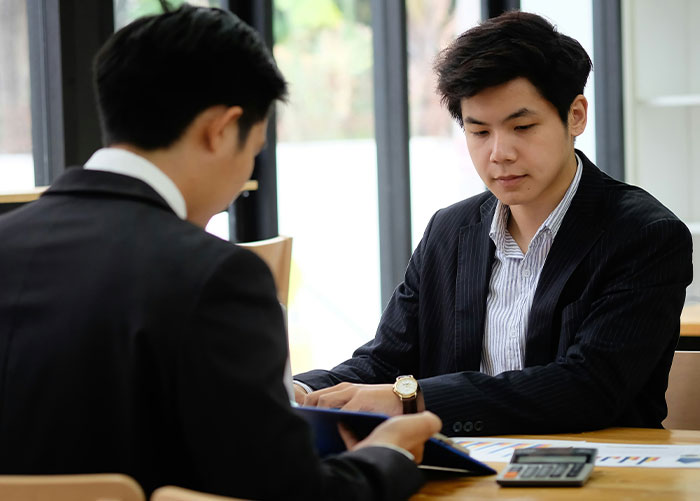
x,y
514,278
130,164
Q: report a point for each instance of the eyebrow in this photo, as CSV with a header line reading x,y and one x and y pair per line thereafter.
x,y
522,112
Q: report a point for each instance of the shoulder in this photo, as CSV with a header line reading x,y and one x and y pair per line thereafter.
x,y
618,205
633,207
190,260
473,210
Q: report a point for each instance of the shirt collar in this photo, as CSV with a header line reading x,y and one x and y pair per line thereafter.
x,y
130,164
499,223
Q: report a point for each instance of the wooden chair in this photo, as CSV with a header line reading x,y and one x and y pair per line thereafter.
x,y
170,493
683,393
277,254
88,487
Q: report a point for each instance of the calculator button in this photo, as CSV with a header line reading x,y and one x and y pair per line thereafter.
x,y
559,470
545,471
575,470
530,471
510,474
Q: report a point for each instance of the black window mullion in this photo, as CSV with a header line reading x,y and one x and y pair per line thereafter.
x,y
607,51
493,8
254,214
391,133
64,36
46,89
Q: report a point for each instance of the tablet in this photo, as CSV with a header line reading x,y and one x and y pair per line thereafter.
x,y
440,452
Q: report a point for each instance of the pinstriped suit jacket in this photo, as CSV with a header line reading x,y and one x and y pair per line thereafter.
x,y
602,330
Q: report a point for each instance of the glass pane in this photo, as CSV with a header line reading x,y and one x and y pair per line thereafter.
x,y
16,161
441,169
126,11
575,19
327,177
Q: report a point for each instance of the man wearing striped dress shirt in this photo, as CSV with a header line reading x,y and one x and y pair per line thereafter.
x,y
551,301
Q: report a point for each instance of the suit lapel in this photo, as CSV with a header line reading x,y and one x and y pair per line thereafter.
x,y
580,229
475,253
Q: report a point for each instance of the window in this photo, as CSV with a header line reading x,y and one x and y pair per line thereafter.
x,y
441,169
327,177
575,19
16,160
126,11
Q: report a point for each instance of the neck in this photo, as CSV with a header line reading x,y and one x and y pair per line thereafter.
x,y
526,219
173,163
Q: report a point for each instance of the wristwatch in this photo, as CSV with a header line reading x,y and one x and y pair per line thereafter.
x,y
406,388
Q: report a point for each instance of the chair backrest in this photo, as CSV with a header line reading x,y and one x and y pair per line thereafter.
x,y
88,487
683,393
170,493
277,254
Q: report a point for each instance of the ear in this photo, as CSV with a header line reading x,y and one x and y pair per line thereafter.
x,y
222,123
578,115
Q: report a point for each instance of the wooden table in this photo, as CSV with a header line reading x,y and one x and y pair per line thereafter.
x,y
658,484
31,194
10,200
690,329
690,321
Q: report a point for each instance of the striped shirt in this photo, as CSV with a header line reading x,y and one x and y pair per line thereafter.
x,y
513,282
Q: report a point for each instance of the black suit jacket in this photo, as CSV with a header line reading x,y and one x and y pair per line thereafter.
x,y
132,341
602,329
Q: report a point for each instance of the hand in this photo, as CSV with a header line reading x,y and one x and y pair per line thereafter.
x,y
299,394
409,432
360,397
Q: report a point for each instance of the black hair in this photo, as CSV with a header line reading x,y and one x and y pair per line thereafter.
x,y
512,45
155,75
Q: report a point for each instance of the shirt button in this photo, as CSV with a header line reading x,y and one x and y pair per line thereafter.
x,y
526,273
457,427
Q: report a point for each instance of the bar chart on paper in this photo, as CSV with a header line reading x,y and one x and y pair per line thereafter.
x,y
492,449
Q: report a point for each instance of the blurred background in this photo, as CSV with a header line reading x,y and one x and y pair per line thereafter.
x,y
323,179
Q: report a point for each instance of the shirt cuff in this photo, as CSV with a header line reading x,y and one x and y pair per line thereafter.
x,y
304,386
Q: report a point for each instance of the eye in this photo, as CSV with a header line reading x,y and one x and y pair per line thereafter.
x,y
524,127
479,133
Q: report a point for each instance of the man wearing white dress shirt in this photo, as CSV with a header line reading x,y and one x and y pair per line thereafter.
x,y
551,302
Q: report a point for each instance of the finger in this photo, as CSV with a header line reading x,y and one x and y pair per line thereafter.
x,y
313,397
335,400
299,394
432,421
348,437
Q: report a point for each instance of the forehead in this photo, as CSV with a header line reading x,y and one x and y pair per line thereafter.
x,y
499,102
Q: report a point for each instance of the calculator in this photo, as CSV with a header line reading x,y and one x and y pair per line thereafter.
x,y
555,466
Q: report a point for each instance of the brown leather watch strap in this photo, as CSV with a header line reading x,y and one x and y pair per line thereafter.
x,y
410,405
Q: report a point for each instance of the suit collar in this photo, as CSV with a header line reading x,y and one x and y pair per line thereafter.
x,y
121,161
581,228
77,181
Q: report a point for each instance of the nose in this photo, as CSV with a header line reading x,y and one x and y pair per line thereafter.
x,y
502,149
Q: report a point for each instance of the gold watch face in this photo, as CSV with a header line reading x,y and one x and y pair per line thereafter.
x,y
406,386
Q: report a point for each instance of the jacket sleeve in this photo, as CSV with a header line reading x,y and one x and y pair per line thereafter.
x,y
239,429
394,349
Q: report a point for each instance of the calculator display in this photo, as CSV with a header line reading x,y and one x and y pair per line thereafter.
x,y
550,459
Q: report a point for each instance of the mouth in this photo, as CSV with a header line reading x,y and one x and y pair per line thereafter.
x,y
510,181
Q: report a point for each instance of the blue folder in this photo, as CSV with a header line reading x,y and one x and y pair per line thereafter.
x,y
440,452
